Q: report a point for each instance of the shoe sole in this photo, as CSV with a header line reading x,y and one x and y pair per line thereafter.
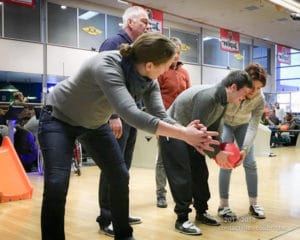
x,y
162,206
186,233
257,217
210,224
106,233
134,223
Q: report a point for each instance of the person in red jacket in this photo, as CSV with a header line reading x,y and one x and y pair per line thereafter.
x,y
171,83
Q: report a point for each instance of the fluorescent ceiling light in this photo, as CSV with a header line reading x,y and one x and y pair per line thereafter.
x,y
207,38
291,5
123,2
88,15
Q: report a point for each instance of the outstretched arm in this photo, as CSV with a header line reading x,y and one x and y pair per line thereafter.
x,y
194,134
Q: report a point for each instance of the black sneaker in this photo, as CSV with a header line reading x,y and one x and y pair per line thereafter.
x,y
134,220
161,202
187,228
108,230
227,214
257,212
207,219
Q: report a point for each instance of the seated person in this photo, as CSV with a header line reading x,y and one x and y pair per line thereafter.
x,y
2,118
290,121
24,143
287,138
269,118
27,113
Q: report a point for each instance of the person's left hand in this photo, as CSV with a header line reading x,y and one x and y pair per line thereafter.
x,y
222,160
204,139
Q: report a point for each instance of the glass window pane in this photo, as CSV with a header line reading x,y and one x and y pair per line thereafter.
x,y
190,49
284,100
91,29
62,25
288,78
242,59
295,104
166,32
113,25
212,53
262,55
22,22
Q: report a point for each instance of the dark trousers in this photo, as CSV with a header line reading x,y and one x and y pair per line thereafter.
x,y
126,143
57,142
187,175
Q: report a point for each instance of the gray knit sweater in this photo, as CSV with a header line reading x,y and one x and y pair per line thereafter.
x,y
206,104
99,89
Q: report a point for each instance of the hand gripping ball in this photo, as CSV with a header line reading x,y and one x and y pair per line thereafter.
x,y
233,148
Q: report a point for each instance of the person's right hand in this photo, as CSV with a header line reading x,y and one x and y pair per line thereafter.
x,y
243,155
222,160
116,127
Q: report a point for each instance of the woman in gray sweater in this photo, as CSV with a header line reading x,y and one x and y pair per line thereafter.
x,y
107,83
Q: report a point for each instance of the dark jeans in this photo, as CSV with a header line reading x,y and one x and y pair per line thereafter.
x,y
57,142
126,143
187,175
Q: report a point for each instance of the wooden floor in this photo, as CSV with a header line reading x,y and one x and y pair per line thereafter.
x,y
279,194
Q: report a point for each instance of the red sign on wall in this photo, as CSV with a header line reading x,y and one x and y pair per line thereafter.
x,y
26,3
156,18
284,54
229,41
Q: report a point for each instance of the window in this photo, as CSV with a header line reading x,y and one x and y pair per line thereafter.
x,y
213,55
262,56
288,75
295,105
284,99
242,59
113,25
91,29
190,48
166,32
22,22
62,25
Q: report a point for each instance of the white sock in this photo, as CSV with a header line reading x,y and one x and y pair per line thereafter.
x,y
253,201
224,202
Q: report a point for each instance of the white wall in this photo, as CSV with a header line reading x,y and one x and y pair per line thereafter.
x,y
65,61
19,56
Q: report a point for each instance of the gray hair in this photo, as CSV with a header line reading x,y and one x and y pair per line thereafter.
x,y
176,41
130,13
